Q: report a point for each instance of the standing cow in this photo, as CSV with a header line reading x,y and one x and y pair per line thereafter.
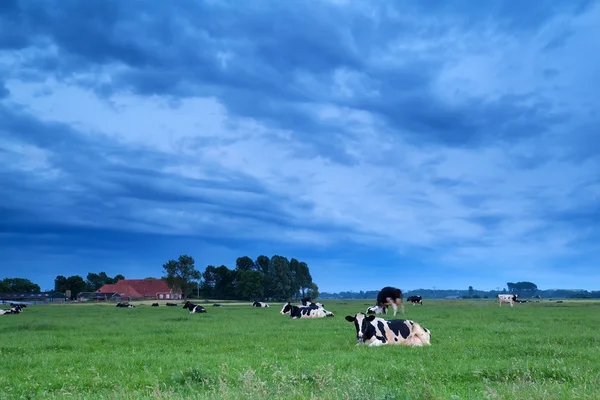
x,y
390,296
415,300
375,331
507,298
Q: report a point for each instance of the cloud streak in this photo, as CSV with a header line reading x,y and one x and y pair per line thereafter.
x,y
458,141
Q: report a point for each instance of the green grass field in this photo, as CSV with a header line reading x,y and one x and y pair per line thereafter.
x,y
479,351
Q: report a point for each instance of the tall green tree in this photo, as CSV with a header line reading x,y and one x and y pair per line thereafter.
x,y
281,277
76,285
262,264
60,283
303,277
209,280
249,285
313,291
20,285
180,273
225,281
118,277
244,263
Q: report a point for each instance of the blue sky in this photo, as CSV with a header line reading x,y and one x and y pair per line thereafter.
x,y
419,145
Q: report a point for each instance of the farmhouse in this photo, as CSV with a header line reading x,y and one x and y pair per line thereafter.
x,y
140,289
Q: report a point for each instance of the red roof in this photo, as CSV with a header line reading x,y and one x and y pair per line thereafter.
x,y
138,288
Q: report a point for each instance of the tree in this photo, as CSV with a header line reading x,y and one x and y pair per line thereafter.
x,y
209,279
262,264
244,263
470,291
303,277
225,280
249,285
118,278
313,291
281,277
60,284
180,273
20,285
76,285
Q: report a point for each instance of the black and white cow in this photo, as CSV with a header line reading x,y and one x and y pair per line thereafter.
x,y
154,304
507,298
376,310
16,309
305,312
216,305
374,331
390,296
125,305
415,300
194,308
259,304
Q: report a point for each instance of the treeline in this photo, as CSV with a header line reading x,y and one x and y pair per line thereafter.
x,y
76,284
523,289
274,278
18,285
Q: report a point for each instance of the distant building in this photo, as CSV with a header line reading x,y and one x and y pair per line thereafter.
x,y
140,289
35,298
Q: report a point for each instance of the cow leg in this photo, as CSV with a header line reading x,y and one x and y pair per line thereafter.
x,y
376,342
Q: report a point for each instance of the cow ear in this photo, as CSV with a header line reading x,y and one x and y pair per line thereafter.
x,y
349,318
370,318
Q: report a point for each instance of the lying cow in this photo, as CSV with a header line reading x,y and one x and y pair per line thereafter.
x,y
507,298
154,304
171,304
305,312
217,305
194,308
125,305
288,306
16,309
376,310
374,331
415,300
259,304
390,296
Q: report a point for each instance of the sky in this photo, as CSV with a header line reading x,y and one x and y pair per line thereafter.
x,y
414,144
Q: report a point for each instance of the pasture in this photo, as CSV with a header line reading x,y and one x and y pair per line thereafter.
x,y
479,351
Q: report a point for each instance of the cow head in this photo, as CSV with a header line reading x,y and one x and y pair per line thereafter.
x,y
361,324
287,307
187,304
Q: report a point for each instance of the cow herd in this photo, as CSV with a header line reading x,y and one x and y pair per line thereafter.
x,y
370,330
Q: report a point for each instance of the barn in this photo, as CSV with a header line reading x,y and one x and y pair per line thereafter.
x,y
141,289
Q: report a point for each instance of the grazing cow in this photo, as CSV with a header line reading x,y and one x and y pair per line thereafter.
x,y
415,300
376,310
375,331
193,307
171,304
507,298
216,305
125,305
390,296
305,312
154,304
259,304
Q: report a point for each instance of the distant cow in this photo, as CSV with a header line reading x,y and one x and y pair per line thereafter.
x,y
375,331
305,312
171,304
415,300
216,305
194,308
154,304
507,298
376,310
259,304
125,305
390,296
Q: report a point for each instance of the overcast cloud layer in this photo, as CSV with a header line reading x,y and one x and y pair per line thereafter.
x,y
445,145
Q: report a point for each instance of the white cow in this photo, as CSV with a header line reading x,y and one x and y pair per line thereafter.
x,y
507,298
